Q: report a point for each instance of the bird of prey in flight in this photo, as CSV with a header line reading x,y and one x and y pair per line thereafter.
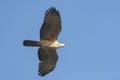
x,y
48,43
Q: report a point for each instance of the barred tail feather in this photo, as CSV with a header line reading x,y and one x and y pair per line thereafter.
x,y
31,43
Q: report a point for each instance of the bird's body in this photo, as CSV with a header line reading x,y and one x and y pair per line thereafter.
x,y
44,44
48,43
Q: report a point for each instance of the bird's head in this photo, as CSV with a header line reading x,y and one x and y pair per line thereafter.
x,y
61,45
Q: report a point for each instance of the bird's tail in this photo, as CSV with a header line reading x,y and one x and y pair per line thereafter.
x,y
31,43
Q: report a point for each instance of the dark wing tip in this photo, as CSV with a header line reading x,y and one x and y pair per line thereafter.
x,y
52,11
45,68
43,73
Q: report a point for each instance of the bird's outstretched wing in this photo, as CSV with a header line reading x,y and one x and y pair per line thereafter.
x,y
51,26
48,59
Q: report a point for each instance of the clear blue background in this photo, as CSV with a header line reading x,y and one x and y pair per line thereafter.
x,y
91,32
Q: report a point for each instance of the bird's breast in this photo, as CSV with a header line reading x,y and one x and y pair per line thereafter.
x,y
45,43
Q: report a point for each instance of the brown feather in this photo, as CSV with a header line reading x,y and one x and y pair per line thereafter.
x,y
51,26
49,33
48,58
31,43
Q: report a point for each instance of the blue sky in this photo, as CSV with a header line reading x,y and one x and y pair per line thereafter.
x,y
91,32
